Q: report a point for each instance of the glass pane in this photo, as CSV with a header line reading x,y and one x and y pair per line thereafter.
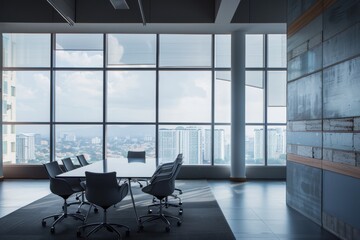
x,y
131,50
277,88
276,114
188,140
223,51
223,97
26,144
185,50
276,152
26,50
254,106
222,145
277,50
131,96
26,96
79,50
185,96
79,96
255,78
254,145
254,50
122,138
73,140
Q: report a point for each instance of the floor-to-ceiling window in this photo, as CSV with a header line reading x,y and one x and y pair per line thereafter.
x,y
265,75
104,94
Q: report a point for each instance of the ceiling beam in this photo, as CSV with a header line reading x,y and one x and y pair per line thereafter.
x,y
225,10
119,4
66,8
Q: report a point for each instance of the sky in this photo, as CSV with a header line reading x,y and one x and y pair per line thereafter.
x,y
184,96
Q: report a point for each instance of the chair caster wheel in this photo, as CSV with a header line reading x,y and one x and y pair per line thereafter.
x,y
149,211
179,223
141,186
96,210
180,212
43,223
167,229
127,233
180,203
78,211
78,234
52,230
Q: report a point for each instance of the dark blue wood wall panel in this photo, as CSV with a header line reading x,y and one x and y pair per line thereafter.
x,y
303,190
340,195
341,85
339,16
342,46
296,8
305,97
306,63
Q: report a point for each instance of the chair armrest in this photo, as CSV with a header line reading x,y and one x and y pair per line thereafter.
x,y
83,184
161,177
123,190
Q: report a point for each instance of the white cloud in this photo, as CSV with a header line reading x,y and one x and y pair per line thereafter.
x,y
117,50
79,59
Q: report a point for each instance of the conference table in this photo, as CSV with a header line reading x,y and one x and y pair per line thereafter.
x,y
122,166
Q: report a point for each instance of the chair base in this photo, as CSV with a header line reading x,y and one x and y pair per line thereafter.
x,y
165,203
99,225
163,217
59,217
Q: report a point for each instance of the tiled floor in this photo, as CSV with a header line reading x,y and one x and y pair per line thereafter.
x,y
255,210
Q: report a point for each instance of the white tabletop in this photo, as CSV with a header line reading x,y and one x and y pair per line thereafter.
x,y
121,166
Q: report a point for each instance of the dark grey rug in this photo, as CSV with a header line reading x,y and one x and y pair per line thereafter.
x,y
202,218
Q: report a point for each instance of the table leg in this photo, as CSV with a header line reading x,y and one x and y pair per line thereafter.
x,y
133,201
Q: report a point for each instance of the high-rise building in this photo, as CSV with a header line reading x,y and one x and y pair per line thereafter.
x,y
8,104
219,145
168,144
69,137
95,140
276,145
258,144
25,147
180,140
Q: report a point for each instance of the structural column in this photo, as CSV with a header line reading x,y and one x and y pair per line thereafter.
x,y
1,131
237,172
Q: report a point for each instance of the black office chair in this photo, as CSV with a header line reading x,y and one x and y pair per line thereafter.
x,y
63,188
161,186
102,189
137,156
82,160
166,168
69,165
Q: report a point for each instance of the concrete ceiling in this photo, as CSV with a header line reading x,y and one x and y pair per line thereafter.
x,y
159,16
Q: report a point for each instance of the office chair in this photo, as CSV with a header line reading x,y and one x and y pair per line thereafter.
x,y
137,156
164,168
69,165
102,189
82,160
63,188
161,186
